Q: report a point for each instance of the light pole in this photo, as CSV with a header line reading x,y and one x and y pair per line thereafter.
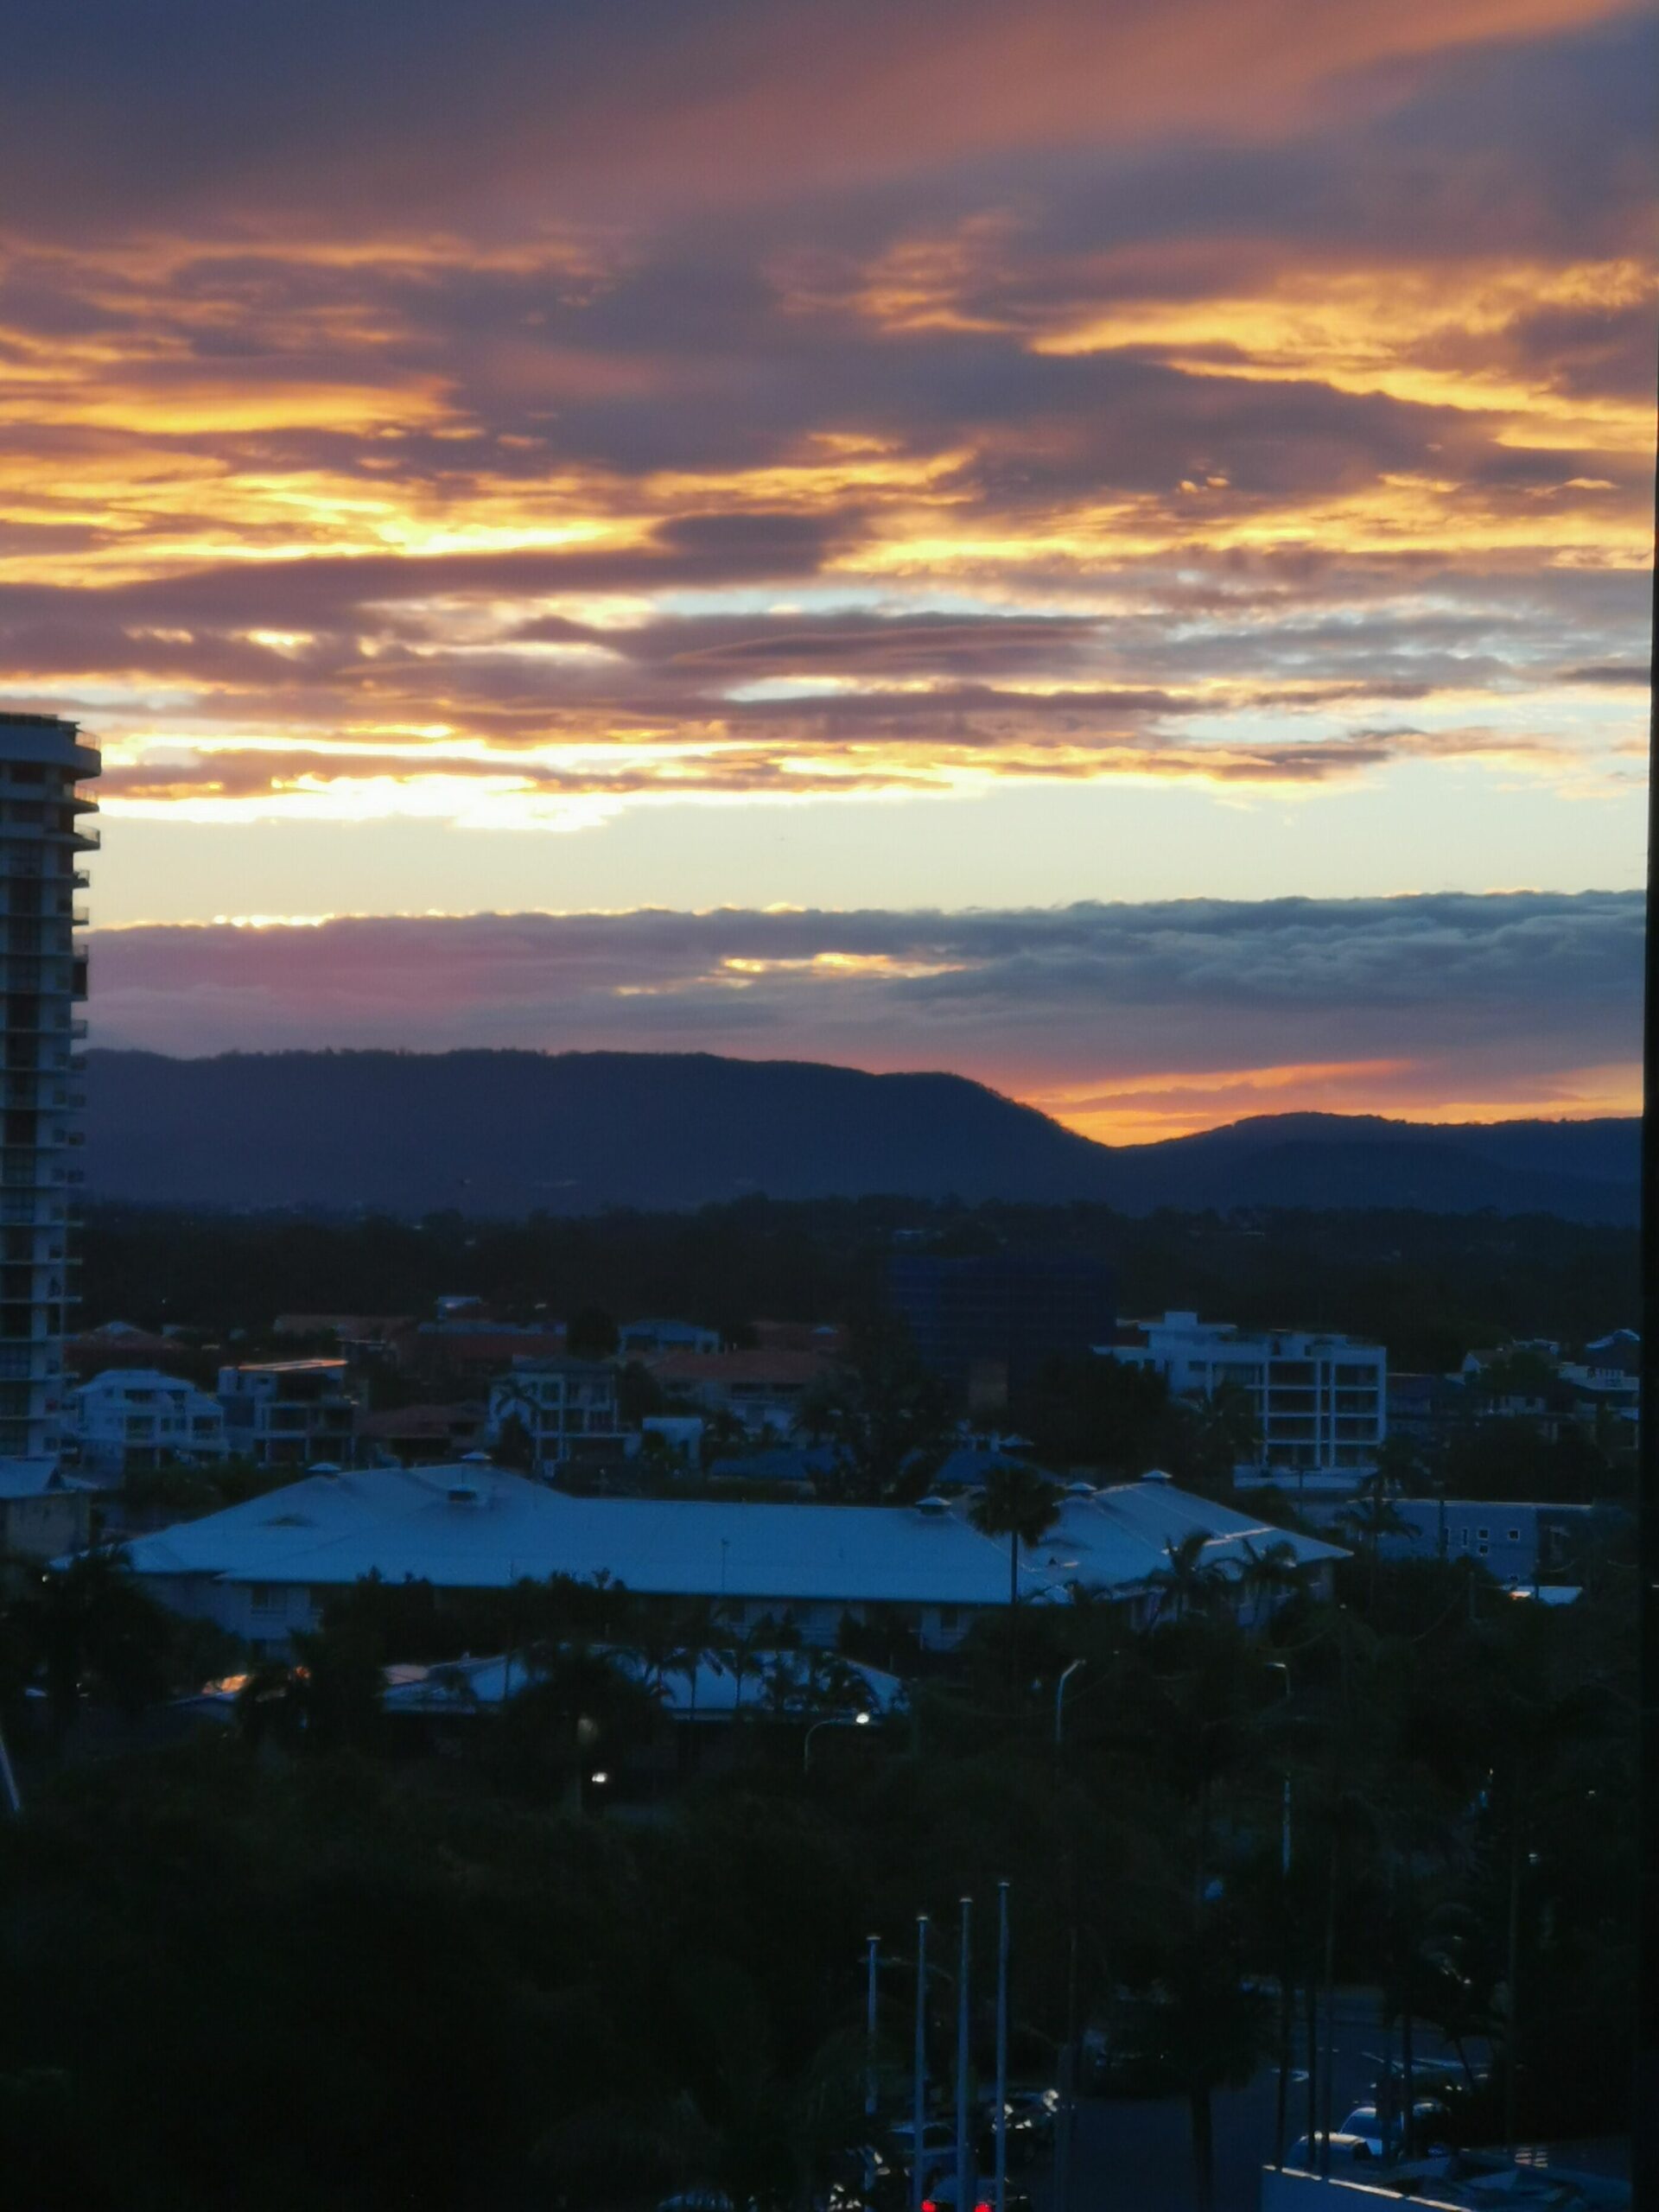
x,y
1060,1700
1278,1667
835,1720
869,2031
965,2178
1002,2120
1281,2111
918,2092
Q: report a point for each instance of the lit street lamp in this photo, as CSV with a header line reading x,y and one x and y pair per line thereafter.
x,y
1060,1700
835,1720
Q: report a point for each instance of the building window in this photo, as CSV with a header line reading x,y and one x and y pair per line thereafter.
x,y
1515,1535
947,1618
266,1598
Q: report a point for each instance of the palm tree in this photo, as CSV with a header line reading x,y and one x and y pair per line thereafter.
x,y
1020,1502
1229,1432
1189,1582
92,1617
1373,1515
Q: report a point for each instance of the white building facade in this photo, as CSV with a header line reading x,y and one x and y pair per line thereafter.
x,y
1321,1401
567,1407
43,841
132,1420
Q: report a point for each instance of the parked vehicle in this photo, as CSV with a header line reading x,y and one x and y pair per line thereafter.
x,y
1346,2150
1431,2126
938,2151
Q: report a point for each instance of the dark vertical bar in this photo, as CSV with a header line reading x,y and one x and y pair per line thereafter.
x,y
1645,2100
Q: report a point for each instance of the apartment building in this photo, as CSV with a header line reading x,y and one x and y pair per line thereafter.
x,y
1321,1401
567,1407
43,838
289,1413
133,1420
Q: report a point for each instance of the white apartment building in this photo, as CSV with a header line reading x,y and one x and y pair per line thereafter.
x,y
1321,1401
132,1420
289,1413
567,1407
42,973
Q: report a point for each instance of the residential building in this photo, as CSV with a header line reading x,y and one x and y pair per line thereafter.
x,y
476,1349
567,1408
1607,1377
764,1390
986,1324
133,1420
1515,1541
1424,1408
118,1343
265,1568
644,1339
1320,1403
43,1513
419,1436
289,1413
43,839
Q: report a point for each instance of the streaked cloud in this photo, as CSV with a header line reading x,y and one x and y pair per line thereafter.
x,y
604,410
1124,1020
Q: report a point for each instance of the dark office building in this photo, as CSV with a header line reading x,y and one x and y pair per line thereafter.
x,y
986,1325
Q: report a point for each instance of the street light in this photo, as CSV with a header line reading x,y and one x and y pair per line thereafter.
x,y
1282,2108
1060,1700
1278,1666
835,1720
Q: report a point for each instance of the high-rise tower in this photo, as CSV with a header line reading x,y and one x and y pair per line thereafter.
x,y
43,842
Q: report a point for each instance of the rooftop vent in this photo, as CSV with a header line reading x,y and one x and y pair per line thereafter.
x,y
463,1494
1079,1489
1156,1475
323,1468
935,1507
475,1459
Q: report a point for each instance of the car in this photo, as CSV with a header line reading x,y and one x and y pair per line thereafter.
x,y
1030,2112
1431,2121
942,2197
1303,2155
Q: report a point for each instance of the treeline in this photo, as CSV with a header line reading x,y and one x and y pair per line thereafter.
x,y
321,1969
1429,1286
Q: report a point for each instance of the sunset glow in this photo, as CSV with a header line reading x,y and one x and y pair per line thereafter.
x,y
848,465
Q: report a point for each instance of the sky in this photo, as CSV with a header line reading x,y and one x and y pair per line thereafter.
x,y
1102,544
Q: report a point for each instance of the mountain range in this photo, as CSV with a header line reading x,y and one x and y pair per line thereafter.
x,y
505,1132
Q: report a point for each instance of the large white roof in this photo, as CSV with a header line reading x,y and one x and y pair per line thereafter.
x,y
1123,1536
331,1529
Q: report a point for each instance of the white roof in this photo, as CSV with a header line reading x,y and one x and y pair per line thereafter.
x,y
332,1529
1123,1536
28,1478
122,1379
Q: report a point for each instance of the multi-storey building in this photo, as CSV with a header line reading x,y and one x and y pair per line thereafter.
x,y
566,1407
986,1324
1321,1401
132,1420
289,1413
43,839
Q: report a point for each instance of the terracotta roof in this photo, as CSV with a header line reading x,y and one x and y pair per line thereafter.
x,y
762,1365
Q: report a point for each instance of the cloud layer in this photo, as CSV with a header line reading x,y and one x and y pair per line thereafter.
x,y
1125,1021
592,409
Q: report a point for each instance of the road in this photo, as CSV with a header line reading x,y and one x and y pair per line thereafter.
x,y
1138,2157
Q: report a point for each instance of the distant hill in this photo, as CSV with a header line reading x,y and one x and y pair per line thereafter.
x,y
506,1133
